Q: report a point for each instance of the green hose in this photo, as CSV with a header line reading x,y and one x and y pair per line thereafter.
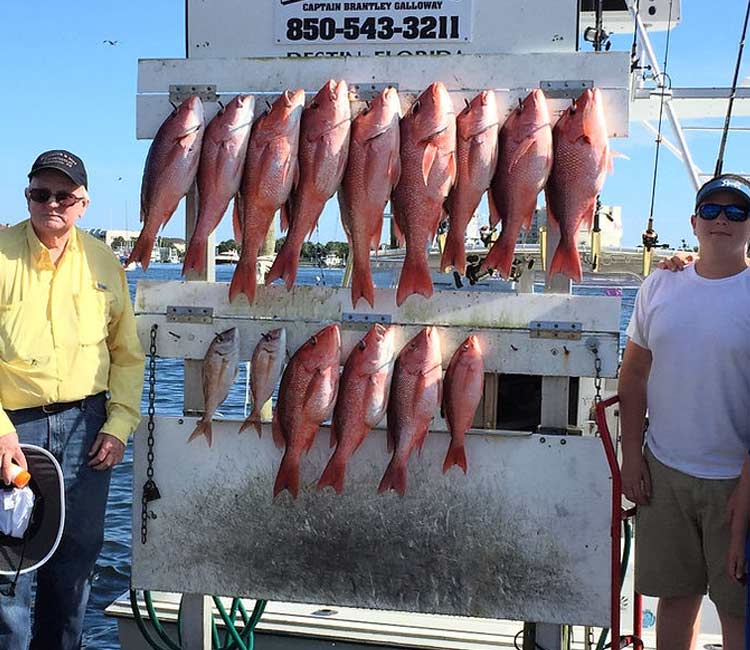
x,y
141,625
157,624
623,569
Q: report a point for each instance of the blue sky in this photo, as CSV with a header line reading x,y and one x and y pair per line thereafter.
x,y
66,88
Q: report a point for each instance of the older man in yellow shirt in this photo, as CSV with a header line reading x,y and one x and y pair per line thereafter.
x,y
71,375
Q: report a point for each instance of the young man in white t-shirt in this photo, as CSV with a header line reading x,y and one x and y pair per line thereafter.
x,y
688,361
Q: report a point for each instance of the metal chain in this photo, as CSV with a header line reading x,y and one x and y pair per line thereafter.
x,y
150,491
598,376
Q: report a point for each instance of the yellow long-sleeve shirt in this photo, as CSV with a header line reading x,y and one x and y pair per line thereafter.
x,y
66,332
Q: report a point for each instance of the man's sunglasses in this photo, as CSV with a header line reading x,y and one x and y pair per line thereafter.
x,y
43,195
710,211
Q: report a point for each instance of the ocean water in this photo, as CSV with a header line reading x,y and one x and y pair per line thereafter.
x,y
112,573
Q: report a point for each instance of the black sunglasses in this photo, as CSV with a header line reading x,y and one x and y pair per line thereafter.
x,y
43,195
710,211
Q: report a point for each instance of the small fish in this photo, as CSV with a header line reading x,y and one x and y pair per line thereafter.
x,y
306,399
371,174
581,161
414,398
219,173
428,170
361,403
169,172
219,371
463,388
265,369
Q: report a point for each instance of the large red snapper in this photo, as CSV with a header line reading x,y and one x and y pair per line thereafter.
x,y
428,170
413,401
476,155
265,369
323,150
218,373
271,168
371,174
581,161
463,388
306,399
361,403
219,173
523,167
169,172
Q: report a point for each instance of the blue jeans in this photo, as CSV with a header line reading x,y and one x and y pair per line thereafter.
x,y
64,582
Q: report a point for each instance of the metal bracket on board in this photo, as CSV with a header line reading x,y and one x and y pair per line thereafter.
x,y
190,314
179,93
547,329
565,89
366,91
354,317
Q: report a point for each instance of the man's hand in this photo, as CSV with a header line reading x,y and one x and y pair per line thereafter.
x,y
10,450
738,506
677,262
636,480
107,451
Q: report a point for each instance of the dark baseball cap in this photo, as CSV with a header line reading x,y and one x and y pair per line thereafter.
x,y
62,161
731,183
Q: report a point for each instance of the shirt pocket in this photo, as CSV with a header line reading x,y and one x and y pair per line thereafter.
x,y
21,333
92,307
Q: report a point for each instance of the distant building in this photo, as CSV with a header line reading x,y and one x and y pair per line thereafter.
x,y
108,236
610,224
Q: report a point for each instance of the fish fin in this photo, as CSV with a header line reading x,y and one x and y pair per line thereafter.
x,y
334,473
252,420
566,261
362,285
243,278
394,477
428,160
278,435
142,250
550,212
520,152
495,216
394,168
456,456
195,258
452,167
237,211
332,439
288,476
203,428
286,212
398,231
285,265
454,253
415,278
500,257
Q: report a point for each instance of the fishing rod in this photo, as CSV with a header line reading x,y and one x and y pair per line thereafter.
x,y
722,146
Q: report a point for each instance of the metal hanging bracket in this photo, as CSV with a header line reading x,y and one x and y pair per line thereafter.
x,y
179,314
354,317
179,93
544,329
565,89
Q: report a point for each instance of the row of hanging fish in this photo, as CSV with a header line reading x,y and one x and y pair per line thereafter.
x,y
430,163
410,387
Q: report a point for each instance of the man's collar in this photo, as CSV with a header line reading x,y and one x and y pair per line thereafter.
x,y
39,252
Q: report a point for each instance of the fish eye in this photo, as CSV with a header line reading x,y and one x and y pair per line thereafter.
x,y
361,345
313,340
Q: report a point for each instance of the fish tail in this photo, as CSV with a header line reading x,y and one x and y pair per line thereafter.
x,y
243,280
454,253
288,476
333,474
456,456
285,265
362,286
394,477
203,428
142,250
566,260
500,256
415,278
252,420
195,258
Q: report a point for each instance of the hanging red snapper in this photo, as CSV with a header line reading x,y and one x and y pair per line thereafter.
x,y
265,369
523,167
306,399
463,388
581,160
362,400
414,398
219,173
270,170
323,150
219,371
169,172
371,174
428,170
476,155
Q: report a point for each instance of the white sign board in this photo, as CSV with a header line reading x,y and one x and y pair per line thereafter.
x,y
297,28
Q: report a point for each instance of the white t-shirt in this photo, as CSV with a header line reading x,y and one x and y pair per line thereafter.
x,y
698,332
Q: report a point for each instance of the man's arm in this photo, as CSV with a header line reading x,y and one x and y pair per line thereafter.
x,y
632,389
738,513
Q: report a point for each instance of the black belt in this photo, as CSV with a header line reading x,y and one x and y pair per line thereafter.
x,y
58,407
